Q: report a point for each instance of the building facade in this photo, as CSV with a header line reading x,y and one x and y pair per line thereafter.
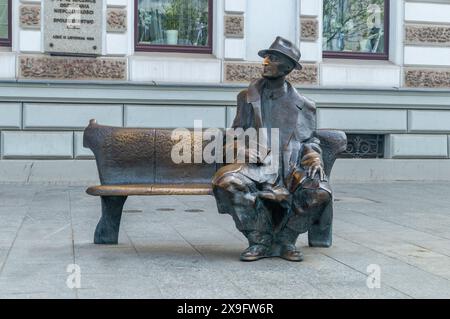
x,y
378,70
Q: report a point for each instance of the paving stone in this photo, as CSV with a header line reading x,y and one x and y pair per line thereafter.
x,y
119,286
35,286
197,283
180,247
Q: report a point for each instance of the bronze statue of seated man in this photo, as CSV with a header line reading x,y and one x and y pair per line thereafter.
x,y
273,209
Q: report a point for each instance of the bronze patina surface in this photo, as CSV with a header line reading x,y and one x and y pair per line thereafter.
x,y
272,210
137,162
145,190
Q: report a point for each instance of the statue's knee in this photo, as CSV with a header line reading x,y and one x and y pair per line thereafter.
x,y
231,183
313,198
323,197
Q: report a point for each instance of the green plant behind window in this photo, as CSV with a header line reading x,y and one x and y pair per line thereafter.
x,y
190,18
172,16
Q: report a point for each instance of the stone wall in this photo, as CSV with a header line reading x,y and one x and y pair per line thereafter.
x,y
427,44
71,68
246,72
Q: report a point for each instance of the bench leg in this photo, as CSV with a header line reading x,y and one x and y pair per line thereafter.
x,y
320,232
107,231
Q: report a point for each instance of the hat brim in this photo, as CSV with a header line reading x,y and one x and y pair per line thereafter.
x,y
263,54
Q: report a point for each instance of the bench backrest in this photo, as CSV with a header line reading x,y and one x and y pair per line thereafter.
x,y
141,156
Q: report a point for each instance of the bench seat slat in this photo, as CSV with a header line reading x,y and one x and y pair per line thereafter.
x,y
150,189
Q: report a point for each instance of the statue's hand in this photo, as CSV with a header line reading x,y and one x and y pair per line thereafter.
x,y
312,164
313,170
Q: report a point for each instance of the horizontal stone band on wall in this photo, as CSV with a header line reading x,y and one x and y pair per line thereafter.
x,y
246,72
116,20
427,34
30,16
309,29
427,78
234,26
71,68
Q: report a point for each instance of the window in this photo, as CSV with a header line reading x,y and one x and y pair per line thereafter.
x,y
356,29
5,17
174,25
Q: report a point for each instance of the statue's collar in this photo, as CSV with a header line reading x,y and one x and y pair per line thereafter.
x,y
255,90
256,87
274,93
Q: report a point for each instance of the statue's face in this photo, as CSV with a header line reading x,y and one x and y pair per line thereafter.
x,y
276,66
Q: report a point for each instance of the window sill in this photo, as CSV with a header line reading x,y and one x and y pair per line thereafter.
x,y
360,73
5,49
174,55
353,62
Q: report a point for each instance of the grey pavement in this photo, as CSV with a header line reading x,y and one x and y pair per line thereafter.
x,y
180,247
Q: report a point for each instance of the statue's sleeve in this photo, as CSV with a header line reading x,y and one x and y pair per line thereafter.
x,y
241,120
312,144
242,117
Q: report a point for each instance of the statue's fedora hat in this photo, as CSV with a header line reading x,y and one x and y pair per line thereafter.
x,y
286,48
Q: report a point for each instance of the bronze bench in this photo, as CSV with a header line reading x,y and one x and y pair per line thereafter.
x,y
137,162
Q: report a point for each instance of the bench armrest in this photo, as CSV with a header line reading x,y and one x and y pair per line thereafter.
x,y
332,143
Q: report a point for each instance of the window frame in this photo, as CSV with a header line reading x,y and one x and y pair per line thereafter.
x,y
365,55
174,48
7,42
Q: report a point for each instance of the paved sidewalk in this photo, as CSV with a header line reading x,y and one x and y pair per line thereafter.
x,y
179,247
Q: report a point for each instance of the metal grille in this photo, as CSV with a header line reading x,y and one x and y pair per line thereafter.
x,y
364,146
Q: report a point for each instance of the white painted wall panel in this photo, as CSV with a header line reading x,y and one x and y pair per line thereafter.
x,y
174,116
283,21
310,51
116,43
362,120
360,75
427,12
121,3
235,5
70,116
10,115
80,151
7,66
235,49
417,146
429,121
37,144
175,70
310,7
30,41
427,56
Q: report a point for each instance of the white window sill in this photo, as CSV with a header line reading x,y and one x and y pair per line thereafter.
x,y
173,55
357,62
360,73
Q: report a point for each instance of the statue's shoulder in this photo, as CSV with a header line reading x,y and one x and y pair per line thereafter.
x,y
302,101
252,93
308,103
242,96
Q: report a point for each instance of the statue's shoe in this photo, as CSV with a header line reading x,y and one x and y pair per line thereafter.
x,y
255,252
291,253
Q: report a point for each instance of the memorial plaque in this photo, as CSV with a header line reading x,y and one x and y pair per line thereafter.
x,y
73,26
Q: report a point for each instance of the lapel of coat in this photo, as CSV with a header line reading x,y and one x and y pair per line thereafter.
x,y
254,98
304,122
293,98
